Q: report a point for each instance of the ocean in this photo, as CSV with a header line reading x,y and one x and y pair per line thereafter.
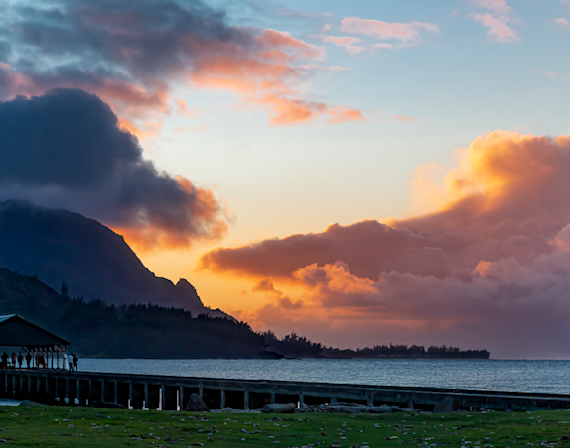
x,y
520,376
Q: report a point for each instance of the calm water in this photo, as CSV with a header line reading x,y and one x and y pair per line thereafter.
x,y
523,376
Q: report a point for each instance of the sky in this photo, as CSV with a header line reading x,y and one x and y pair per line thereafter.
x,y
359,172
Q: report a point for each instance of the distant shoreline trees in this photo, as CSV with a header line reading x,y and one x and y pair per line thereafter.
x,y
294,346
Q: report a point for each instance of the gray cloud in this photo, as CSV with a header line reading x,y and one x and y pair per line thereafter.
x,y
133,53
144,38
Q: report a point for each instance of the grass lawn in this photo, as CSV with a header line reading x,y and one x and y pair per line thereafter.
x,y
88,427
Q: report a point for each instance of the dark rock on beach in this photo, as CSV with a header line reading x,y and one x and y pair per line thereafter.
x,y
197,404
448,404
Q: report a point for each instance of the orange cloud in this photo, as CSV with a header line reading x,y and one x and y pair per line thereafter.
x,y
199,218
490,257
337,277
342,114
406,119
288,111
268,79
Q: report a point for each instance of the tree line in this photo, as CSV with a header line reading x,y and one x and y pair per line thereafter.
x,y
294,346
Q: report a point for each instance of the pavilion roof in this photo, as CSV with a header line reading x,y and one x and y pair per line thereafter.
x,y
17,331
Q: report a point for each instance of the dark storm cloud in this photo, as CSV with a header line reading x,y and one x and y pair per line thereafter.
x,y
67,137
65,149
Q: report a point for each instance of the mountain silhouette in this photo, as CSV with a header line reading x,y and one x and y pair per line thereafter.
x,y
59,246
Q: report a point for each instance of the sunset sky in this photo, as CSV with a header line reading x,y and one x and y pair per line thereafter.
x,y
360,172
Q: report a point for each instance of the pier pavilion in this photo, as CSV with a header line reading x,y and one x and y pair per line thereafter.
x,y
15,331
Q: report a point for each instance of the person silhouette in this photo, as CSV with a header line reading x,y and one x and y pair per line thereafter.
x,y
29,359
4,358
20,359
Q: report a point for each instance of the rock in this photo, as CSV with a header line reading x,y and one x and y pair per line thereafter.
x,y
277,408
448,404
380,409
106,404
196,403
31,403
347,409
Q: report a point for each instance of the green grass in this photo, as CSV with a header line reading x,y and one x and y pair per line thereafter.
x,y
88,427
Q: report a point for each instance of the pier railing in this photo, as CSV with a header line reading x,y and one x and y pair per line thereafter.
x,y
173,393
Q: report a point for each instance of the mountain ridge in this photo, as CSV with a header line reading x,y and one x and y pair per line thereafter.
x,y
59,245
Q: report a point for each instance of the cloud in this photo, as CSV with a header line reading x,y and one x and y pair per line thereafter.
x,y
406,119
487,266
278,298
496,6
184,110
386,46
555,75
562,22
496,18
343,114
337,278
287,111
322,68
346,43
132,54
65,149
406,33
200,128
296,14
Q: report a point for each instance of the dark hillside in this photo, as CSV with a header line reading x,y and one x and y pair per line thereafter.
x,y
127,331
58,246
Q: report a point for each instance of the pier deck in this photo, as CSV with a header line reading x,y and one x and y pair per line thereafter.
x,y
172,393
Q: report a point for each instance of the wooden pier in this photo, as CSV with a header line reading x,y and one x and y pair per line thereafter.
x,y
58,387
